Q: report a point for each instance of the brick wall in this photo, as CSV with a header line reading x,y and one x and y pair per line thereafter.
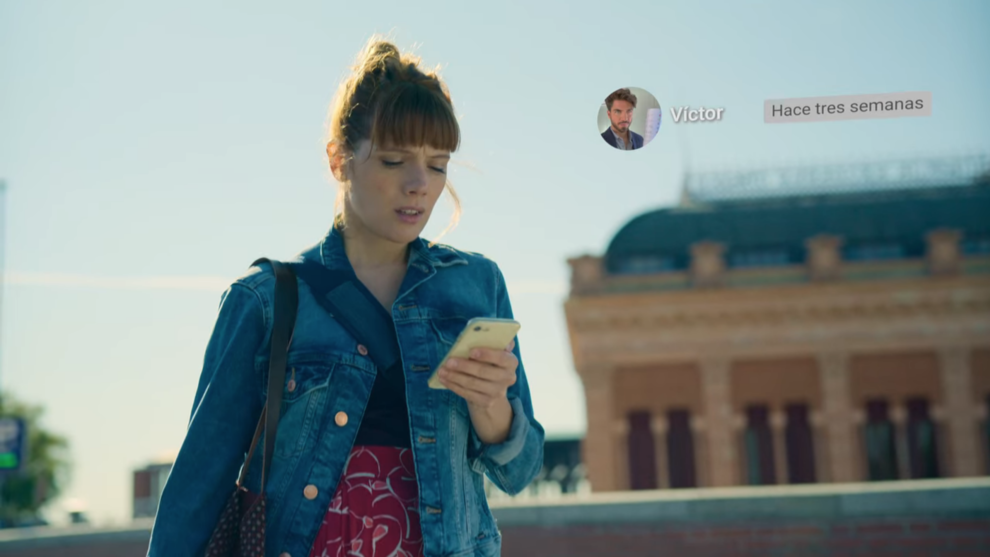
x,y
908,519
904,537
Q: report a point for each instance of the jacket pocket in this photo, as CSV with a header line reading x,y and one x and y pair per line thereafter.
x,y
304,394
447,329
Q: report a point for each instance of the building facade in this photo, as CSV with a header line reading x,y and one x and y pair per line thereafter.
x,y
832,335
149,482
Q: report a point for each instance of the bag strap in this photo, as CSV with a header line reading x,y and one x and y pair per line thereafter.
x,y
254,443
352,305
284,321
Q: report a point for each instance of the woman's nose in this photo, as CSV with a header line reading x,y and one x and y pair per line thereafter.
x,y
415,178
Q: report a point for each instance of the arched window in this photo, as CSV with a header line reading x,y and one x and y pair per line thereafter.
x,y
642,453
881,450
874,251
922,446
976,246
765,257
646,264
680,449
758,440
986,434
800,445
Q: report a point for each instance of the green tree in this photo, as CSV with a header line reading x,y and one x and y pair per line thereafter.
x,y
46,465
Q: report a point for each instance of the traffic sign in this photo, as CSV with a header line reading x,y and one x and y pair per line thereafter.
x,y
13,438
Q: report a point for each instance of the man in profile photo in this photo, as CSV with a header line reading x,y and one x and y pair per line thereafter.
x,y
620,105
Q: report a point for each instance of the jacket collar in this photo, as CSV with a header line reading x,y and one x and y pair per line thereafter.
x,y
421,253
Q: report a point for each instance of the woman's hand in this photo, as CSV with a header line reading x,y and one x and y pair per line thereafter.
x,y
484,379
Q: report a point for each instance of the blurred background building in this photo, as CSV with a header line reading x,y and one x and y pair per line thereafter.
x,y
149,482
563,472
793,325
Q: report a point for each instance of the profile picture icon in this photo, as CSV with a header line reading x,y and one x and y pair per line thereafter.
x,y
629,118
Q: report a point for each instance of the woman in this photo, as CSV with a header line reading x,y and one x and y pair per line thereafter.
x,y
367,461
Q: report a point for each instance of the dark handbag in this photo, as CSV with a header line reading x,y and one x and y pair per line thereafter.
x,y
240,531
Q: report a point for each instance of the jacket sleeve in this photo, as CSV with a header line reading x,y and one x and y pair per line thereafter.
x,y
515,462
228,403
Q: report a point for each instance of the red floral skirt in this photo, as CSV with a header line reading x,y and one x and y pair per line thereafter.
x,y
375,511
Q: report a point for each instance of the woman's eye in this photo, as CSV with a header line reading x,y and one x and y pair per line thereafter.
x,y
388,163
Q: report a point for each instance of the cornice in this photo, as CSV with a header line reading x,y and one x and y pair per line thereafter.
x,y
798,309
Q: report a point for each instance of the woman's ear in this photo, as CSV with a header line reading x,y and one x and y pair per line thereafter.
x,y
338,161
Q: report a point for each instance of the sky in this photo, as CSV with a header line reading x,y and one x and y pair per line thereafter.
x,y
152,151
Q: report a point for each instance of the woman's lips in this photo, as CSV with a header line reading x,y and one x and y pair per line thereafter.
x,y
409,218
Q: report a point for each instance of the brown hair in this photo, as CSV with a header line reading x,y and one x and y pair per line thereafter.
x,y
389,100
623,94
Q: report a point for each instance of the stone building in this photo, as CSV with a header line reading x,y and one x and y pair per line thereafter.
x,y
833,330
148,483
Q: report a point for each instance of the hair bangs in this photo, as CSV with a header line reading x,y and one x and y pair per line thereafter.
x,y
411,115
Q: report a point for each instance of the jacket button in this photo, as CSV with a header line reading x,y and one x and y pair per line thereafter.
x,y
362,350
341,418
286,554
310,492
292,385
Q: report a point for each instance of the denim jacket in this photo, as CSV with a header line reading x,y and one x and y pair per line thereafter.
x,y
443,288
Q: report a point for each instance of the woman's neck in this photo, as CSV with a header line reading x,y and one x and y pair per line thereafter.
x,y
365,250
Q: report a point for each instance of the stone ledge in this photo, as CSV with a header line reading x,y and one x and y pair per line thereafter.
x,y
55,536
944,497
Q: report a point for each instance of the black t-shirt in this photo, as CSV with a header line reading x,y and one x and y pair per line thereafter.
x,y
386,418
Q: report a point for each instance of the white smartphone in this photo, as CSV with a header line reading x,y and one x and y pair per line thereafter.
x,y
480,332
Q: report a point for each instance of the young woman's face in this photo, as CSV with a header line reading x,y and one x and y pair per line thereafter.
x,y
393,189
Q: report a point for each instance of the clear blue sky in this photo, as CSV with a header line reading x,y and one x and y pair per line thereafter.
x,y
153,151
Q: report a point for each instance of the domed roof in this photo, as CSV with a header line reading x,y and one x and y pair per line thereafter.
x,y
663,237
